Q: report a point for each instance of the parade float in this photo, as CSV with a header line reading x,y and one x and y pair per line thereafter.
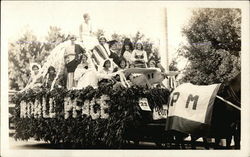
x,y
106,115
110,115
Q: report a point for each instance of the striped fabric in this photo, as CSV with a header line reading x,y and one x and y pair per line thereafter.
x,y
100,54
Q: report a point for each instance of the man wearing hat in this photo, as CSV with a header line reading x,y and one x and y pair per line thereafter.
x,y
73,54
113,44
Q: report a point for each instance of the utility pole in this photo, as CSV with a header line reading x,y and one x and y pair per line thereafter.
x,y
166,38
164,41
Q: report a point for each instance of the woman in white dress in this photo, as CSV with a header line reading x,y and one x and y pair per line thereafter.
x,y
85,73
139,56
86,33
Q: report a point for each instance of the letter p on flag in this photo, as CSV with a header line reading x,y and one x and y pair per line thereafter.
x,y
190,108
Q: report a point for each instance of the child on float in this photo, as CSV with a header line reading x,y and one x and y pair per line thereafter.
x,y
49,77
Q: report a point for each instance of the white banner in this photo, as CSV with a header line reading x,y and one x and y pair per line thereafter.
x,y
193,102
160,113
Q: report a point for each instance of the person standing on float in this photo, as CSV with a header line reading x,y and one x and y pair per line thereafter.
x,y
72,56
127,49
86,33
113,44
139,56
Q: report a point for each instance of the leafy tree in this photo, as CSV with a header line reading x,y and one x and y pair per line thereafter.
x,y
21,54
173,65
54,37
116,36
26,50
214,45
138,36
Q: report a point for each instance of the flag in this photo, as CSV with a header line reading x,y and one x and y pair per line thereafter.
x,y
190,108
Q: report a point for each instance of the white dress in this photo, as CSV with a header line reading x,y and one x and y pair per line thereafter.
x,y
128,56
85,75
85,34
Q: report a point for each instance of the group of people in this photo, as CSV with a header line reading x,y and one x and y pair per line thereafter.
x,y
103,62
91,62
36,81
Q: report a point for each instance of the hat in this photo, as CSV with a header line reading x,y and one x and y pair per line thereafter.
x,y
127,41
102,37
112,42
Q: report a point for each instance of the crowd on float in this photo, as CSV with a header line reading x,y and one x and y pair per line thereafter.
x,y
91,61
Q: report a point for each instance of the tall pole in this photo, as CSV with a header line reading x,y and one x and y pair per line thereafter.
x,y
166,39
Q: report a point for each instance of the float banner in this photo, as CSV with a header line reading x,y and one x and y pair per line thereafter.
x,y
190,108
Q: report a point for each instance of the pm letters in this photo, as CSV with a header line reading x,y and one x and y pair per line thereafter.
x,y
194,100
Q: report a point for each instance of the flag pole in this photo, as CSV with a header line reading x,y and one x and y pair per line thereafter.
x,y
229,103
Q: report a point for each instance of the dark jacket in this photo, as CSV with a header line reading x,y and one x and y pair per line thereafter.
x,y
71,66
115,57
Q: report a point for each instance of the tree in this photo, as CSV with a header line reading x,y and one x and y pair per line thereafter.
x,y
27,50
116,36
173,65
54,37
138,36
214,46
21,54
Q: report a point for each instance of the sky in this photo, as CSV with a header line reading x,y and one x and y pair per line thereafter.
x,y
113,17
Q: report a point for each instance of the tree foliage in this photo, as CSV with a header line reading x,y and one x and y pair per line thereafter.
x,y
26,50
214,45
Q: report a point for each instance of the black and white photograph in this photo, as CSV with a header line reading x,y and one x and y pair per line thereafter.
x,y
142,77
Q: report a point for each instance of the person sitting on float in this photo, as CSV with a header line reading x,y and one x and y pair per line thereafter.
x,y
85,73
49,77
139,56
156,61
122,64
127,49
152,63
106,74
35,80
